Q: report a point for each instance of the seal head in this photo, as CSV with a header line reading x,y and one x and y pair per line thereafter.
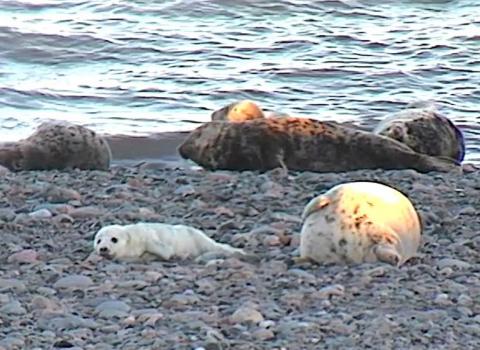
x,y
238,112
425,130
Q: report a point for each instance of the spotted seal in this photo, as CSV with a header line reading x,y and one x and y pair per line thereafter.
x,y
57,145
300,144
359,222
425,130
238,112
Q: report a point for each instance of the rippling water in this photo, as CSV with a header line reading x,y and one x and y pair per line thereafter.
x,y
141,66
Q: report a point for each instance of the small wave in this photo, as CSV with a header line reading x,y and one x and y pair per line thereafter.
x,y
139,66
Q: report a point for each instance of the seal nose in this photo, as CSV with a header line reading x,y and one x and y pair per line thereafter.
x,y
103,250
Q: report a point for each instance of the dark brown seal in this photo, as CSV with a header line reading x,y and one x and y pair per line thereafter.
x,y
422,128
57,145
300,144
238,112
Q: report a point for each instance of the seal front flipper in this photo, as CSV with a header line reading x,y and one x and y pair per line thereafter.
x,y
160,249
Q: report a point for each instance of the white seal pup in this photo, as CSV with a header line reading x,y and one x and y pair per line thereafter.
x,y
360,222
57,145
425,130
238,112
164,241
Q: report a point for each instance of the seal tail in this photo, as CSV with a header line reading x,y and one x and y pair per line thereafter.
x,y
238,253
221,250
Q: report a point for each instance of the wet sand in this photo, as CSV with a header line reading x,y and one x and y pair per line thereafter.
x,y
156,149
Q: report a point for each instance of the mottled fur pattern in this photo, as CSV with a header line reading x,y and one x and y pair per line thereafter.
x,y
426,131
57,145
360,222
238,112
300,144
137,241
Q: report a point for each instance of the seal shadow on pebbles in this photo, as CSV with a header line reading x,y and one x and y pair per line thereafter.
x,y
421,127
57,145
300,144
238,112
360,222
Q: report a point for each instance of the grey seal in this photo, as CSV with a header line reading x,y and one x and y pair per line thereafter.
x,y
300,144
57,145
425,130
358,222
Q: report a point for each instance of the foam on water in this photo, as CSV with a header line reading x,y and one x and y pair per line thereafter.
x,y
137,66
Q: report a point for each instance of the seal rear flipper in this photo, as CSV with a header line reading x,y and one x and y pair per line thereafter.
x,y
440,164
387,253
248,258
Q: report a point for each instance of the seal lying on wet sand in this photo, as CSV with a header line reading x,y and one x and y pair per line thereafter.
x,y
425,130
136,241
57,145
360,222
238,112
300,144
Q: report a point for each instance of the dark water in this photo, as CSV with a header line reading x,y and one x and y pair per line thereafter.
x,y
142,66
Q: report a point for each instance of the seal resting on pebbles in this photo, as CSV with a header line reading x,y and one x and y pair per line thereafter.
x,y
238,112
425,130
57,145
360,222
137,241
300,144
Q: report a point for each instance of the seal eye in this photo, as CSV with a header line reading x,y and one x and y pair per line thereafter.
x,y
98,241
114,240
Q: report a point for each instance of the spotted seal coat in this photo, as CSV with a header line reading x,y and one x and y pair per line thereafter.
x,y
360,222
57,145
425,130
300,144
238,112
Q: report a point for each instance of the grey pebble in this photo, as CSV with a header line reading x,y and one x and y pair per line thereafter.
x,y
86,212
13,308
41,214
11,342
246,314
12,284
7,214
185,190
66,322
54,208
112,308
451,262
333,290
263,334
73,282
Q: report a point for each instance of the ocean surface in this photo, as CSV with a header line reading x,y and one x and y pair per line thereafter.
x,y
136,67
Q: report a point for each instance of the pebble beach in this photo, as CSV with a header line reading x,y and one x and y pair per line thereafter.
x,y
55,293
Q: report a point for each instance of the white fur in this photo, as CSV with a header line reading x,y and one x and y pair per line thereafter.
x,y
162,240
360,222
